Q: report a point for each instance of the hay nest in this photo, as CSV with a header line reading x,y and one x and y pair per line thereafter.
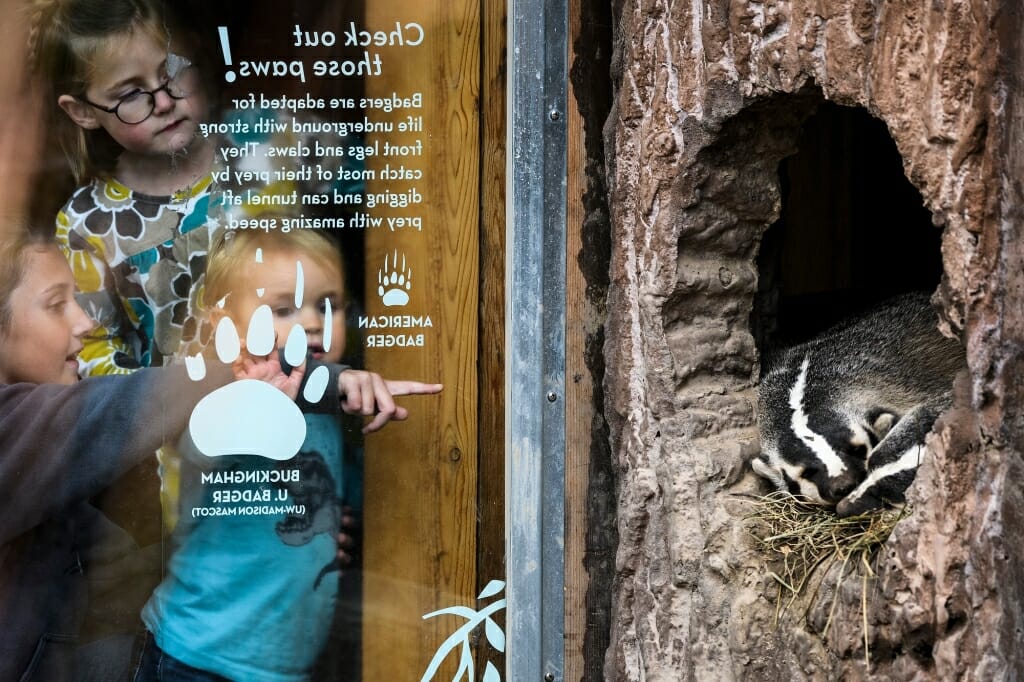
x,y
798,538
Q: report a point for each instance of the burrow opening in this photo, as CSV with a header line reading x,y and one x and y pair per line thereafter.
x,y
852,230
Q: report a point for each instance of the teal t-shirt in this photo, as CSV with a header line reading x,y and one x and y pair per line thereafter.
x,y
251,585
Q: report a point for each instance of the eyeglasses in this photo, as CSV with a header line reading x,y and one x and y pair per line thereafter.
x,y
138,105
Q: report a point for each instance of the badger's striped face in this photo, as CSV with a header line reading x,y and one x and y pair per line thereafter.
x,y
809,478
813,451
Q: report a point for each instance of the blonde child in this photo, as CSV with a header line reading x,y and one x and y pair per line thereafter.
x,y
63,441
137,230
248,592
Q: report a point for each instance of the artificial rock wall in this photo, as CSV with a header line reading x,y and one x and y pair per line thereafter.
x,y
708,98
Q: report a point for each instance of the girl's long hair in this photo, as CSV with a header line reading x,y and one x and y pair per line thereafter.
x,y
65,41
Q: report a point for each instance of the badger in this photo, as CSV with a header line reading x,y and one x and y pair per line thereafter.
x,y
843,417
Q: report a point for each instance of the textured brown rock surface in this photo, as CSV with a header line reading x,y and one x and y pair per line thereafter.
x,y
709,96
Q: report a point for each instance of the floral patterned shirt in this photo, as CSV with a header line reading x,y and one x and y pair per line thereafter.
x,y
139,260
135,259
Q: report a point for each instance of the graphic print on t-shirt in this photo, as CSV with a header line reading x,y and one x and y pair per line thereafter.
x,y
315,491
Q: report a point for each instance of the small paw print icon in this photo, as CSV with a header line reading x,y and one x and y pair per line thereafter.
x,y
394,282
249,416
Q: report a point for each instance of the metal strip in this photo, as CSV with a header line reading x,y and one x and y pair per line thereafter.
x,y
535,340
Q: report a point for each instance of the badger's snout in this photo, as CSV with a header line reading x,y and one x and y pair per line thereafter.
x,y
835,488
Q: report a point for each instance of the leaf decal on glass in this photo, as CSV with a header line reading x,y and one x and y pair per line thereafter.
x,y
493,588
495,635
460,639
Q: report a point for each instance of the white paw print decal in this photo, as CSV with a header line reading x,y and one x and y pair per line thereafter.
x,y
250,417
393,282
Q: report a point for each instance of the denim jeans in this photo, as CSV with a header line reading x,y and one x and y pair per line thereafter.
x,y
105,660
156,666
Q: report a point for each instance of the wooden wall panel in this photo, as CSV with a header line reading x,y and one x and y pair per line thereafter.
x,y
421,476
578,389
491,549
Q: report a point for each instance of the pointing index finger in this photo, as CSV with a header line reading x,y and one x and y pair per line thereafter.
x,y
401,387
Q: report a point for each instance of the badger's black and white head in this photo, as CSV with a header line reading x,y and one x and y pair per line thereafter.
x,y
814,443
844,416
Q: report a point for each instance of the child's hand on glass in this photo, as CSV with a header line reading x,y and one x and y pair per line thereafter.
x,y
267,368
371,395
348,539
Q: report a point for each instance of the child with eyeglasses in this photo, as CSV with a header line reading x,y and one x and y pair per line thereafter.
x,y
137,230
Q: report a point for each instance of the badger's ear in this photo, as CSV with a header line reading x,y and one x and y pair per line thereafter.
x,y
765,470
883,423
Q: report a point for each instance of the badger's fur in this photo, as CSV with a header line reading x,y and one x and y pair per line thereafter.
x,y
843,417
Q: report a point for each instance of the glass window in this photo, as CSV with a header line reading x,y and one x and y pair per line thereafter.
x,y
208,194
